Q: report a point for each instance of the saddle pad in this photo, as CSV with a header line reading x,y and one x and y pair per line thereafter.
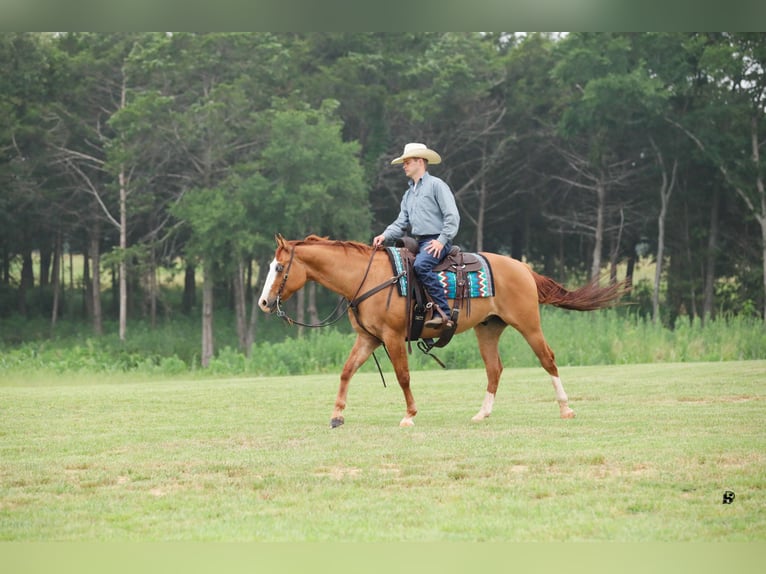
x,y
480,283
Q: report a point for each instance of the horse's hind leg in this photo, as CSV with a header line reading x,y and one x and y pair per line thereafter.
x,y
488,334
544,353
360,352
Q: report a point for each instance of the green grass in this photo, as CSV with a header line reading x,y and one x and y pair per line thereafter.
x,y
648,458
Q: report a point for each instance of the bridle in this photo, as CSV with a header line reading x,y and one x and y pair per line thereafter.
x,y
331,319
280,313
343,303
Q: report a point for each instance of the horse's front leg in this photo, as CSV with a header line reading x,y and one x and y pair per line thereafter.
x,y
360,352
397,350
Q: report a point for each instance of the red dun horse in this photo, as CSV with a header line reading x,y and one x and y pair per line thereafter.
x,y
353,269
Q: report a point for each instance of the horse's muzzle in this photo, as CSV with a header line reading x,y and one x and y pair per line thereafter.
x,y
267,306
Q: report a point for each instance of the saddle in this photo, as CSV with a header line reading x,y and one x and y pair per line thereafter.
x,y
458,262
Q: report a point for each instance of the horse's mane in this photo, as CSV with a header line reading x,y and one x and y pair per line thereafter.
x,y
317,240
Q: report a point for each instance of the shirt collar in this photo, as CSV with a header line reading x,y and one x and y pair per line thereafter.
x,y
421,182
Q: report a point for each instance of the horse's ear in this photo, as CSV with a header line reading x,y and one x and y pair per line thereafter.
x,y
280,240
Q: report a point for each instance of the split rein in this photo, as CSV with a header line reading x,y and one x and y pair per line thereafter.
x,y
343,304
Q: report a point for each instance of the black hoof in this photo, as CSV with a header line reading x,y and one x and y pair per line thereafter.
x,y
336,422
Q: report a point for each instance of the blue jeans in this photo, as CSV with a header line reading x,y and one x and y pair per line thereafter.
x,y
424,264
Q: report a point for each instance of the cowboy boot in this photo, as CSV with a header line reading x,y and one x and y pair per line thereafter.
x,y
438,321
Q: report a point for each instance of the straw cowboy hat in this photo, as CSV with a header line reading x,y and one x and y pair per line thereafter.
x,y
418,150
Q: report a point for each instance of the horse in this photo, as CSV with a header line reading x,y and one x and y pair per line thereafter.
x,y
350,268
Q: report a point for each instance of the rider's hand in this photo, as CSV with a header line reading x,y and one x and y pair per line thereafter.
x,y
378,240
434,248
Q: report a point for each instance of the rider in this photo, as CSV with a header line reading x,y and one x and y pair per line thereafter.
x,y
429,208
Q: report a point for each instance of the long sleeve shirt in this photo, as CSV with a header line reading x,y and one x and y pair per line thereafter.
x,y
428,208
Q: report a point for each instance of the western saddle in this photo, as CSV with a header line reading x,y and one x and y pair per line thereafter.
x,y
458,262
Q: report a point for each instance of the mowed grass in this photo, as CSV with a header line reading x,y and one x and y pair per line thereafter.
x,y
648,458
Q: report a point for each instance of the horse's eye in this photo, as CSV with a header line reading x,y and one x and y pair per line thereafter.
x,y
279,268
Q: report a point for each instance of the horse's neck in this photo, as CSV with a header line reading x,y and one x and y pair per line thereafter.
x,y
337,270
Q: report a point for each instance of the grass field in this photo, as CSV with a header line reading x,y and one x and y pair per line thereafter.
x,y
648,458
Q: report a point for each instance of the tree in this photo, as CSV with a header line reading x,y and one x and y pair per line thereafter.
x,y
88,147
666,190
306,180
316,180
28,65
611,94
563,150
734,122
221,233
454,101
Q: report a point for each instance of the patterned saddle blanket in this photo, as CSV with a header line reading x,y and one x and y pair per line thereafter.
x,y
478,274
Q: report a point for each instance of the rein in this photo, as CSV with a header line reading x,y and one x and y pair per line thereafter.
x,y
289,320
353,303
340,308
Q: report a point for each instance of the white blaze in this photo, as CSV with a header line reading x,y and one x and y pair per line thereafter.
x,y
263,301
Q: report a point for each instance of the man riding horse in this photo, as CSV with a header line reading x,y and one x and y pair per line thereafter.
x,y
428,208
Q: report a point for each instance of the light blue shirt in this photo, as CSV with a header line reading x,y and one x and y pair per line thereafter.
x,y
429,208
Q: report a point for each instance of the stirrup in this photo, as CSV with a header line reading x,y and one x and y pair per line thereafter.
x,y
445,323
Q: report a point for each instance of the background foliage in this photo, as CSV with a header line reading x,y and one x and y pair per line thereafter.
x,y
156,157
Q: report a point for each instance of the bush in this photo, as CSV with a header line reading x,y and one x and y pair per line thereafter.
x,y
596,338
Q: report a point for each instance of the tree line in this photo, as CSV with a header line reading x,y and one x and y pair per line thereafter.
x,y
189,151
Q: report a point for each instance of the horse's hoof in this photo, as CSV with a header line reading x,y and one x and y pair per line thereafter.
x,y
336,422
407,422
567,414
478,417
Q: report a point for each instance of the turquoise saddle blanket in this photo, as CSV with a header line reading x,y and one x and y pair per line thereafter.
x,y
479,283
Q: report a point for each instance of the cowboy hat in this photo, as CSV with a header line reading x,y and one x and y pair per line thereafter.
x,y
418,150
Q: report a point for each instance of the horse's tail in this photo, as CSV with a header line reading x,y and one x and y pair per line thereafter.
x,y
589,297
